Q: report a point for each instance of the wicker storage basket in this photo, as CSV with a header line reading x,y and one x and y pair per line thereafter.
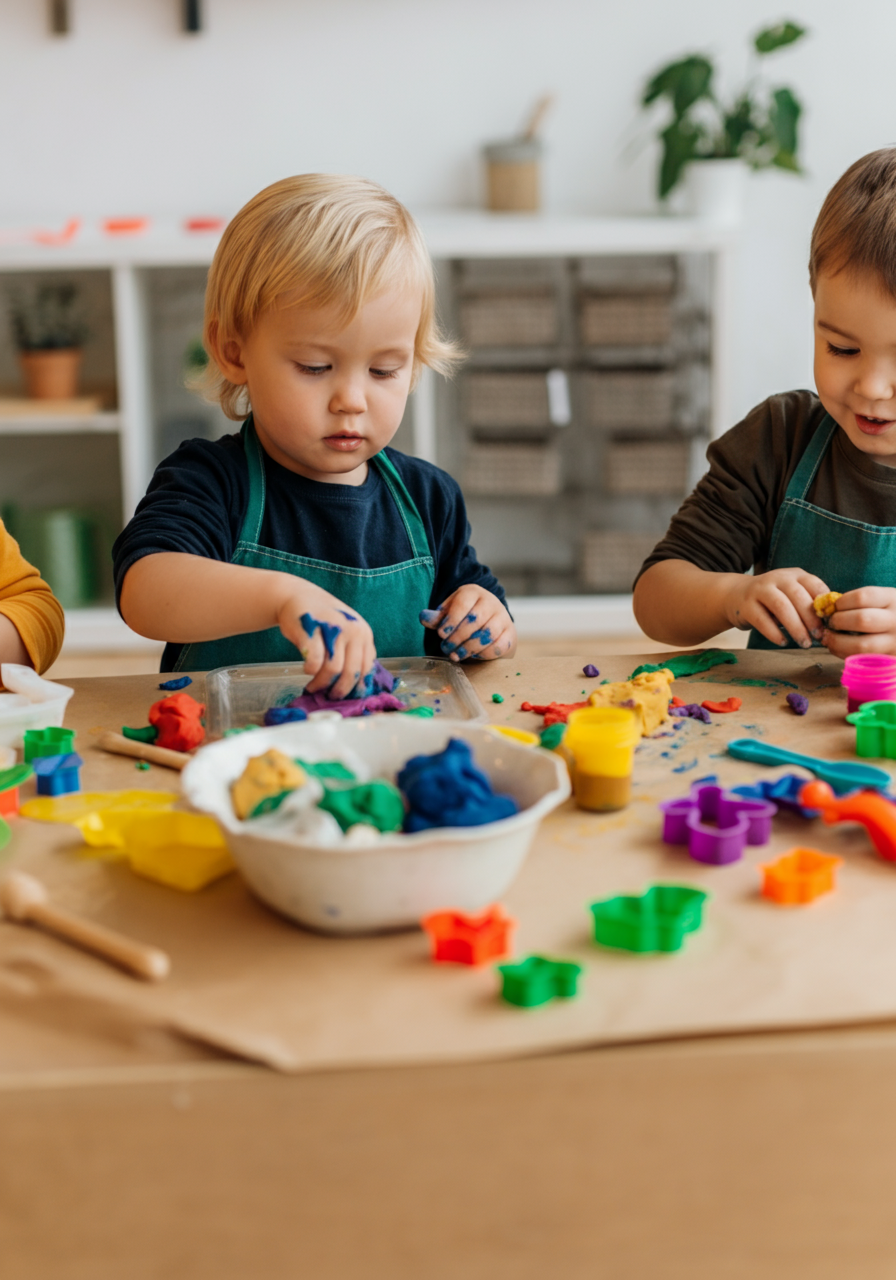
x,y
523,469
611,560
629,398
647,466
626,319
509,320
507,400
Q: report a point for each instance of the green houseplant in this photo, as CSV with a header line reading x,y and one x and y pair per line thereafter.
x,y
49,332
759,126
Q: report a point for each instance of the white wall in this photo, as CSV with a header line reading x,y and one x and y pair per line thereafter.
x,y
129,115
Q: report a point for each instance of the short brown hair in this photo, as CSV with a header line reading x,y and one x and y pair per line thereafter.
x,y
322,239
856,229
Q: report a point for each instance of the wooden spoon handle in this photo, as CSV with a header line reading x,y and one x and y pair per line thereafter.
x,y
119,745
136,957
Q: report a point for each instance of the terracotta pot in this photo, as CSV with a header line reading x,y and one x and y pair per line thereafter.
x,y
51,375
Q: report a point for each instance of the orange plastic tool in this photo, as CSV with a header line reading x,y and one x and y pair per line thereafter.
x,y
799,876
469,939
876,814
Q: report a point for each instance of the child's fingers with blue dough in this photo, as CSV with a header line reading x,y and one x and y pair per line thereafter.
x,y
432,618
499,641
458,640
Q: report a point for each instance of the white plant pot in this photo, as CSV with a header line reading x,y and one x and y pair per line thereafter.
x,y
715,190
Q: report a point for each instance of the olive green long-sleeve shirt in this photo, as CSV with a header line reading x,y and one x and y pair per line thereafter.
x,y
725,525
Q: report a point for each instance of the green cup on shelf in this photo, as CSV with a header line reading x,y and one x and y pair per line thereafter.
x,y
61,543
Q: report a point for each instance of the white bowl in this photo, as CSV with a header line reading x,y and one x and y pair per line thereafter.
x,y
397,880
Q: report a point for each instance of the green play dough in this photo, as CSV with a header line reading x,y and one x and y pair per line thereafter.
x,y
418,711
688,664
552,736
327,771
378,804
269,803
147,734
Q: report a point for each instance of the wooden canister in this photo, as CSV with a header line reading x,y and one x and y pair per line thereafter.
x,y
513,175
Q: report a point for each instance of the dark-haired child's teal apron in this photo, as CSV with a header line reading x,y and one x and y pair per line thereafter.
x,y
389,598
844,553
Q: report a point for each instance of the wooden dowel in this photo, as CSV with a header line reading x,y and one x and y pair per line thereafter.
x,y
25,899
119,745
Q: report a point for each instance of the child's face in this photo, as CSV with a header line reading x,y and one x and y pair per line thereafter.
x,y
855,360
326,396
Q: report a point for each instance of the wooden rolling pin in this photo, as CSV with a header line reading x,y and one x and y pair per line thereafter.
x,y
119,745
25,899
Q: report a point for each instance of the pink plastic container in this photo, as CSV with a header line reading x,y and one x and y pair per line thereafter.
x,y
869,677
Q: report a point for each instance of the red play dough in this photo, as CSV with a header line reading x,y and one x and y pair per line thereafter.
x,y
178,720
553,712
732,704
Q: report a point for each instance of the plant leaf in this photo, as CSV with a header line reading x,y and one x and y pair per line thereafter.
x,y
786,160
738,125
783,116
772,38
683,83
680,141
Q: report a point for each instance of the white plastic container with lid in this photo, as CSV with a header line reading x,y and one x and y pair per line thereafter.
x,y
29,702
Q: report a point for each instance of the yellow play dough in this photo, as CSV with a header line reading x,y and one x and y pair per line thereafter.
x,y
264,776
824,605
649,692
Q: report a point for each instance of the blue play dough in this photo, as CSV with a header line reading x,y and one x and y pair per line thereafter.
x,y
284,715
171,685
429,617
483,635
448,790
328,631
351,617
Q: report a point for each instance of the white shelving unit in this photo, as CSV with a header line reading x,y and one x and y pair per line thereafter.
x,y
131,259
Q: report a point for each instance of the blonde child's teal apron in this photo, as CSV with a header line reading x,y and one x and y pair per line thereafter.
x,y
845,554
389,598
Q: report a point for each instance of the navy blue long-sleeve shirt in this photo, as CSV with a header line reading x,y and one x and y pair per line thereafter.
x,y
198,496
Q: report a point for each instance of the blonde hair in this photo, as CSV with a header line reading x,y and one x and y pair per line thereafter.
x,y
856,229
323,240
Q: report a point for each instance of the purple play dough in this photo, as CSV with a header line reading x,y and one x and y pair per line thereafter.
x,y
799,704
349,706
692,710
590,670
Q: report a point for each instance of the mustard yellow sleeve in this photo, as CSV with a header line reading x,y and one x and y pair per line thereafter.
x,y
29,604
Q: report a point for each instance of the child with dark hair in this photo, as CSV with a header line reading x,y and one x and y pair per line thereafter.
x,y
803,491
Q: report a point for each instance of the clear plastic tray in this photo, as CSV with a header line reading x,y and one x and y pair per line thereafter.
x,y
239,696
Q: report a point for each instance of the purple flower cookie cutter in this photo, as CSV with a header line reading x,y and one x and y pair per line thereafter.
x,y
715,824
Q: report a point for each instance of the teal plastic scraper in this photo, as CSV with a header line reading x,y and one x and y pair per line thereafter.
x,y
843,776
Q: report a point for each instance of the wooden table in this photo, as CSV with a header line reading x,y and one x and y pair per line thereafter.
x,y
135,1153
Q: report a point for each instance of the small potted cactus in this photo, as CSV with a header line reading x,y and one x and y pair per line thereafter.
x,y
49,332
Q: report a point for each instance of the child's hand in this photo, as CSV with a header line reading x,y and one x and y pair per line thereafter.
x,y
335,641
780,598
868,610
472,623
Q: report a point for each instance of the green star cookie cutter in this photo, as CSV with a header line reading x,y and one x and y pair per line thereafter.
x,y
536,980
